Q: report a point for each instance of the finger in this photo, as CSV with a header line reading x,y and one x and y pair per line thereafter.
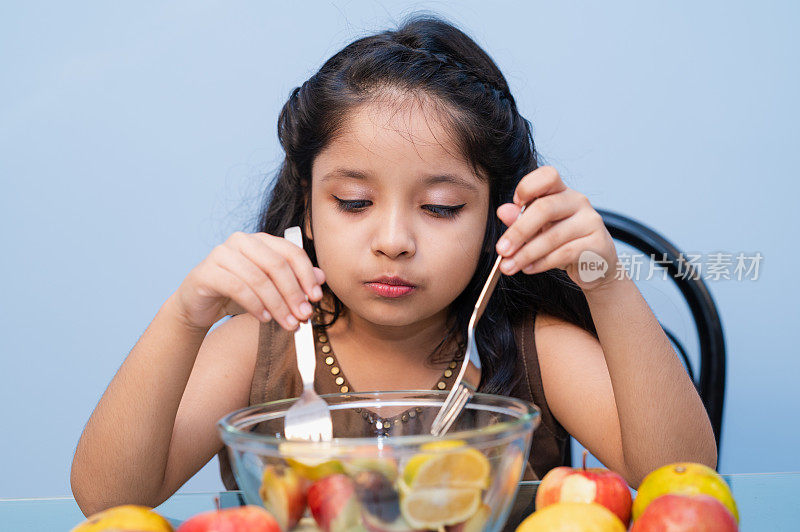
x,y
282,273
232,261
297,259
508,212
240,293
267,252
547,209
548,240
320,275
541,182
563,256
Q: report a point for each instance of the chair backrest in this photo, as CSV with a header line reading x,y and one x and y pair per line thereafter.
x,y
710,379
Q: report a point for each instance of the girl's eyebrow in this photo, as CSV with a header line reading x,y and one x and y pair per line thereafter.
x,y
453,179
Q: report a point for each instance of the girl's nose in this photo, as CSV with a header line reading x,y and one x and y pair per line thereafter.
x,y
394,235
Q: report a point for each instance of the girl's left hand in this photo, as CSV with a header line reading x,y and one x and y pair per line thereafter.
x,y
560,229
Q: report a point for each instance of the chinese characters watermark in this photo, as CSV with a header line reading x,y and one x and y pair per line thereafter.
x,y
714,266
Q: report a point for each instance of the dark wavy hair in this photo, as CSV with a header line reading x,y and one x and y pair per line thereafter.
x,y
430,57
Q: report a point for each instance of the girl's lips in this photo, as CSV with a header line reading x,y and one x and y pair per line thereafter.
x,y
390,290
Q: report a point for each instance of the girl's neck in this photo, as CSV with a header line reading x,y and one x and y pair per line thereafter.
x,y
385,343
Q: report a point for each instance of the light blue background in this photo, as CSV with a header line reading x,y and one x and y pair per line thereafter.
x,y
136,137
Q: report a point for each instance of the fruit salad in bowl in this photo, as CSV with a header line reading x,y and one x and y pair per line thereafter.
x,y
383,471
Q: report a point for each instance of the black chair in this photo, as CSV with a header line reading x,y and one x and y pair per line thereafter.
x,y
710,382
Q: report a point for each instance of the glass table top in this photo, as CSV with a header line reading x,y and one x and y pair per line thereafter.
x,y
766,501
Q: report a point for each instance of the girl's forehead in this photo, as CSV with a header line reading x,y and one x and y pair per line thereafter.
x,y
387,138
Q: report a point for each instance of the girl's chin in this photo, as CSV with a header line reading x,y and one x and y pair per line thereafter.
x,y
384,320
392,316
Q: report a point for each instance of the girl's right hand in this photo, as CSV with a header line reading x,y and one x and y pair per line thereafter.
x,y
264,275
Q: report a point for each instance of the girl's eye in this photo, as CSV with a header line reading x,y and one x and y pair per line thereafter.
x,y
442,211
350,205
445,211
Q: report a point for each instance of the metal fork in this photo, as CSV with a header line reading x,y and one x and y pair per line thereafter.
x,y
309,418
464,386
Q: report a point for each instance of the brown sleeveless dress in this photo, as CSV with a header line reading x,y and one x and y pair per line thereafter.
x,y
276,377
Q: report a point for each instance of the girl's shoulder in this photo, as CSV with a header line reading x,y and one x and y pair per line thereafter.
x,y
539,331
572,369
240,332
231,347
564,351
554,335
550,350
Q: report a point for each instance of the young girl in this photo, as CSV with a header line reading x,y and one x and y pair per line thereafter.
x,y
407,163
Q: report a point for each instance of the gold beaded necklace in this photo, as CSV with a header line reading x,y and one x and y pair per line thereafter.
x,y
382,425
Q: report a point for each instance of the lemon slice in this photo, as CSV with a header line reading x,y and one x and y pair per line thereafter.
x,y
463,467
433,508
412,466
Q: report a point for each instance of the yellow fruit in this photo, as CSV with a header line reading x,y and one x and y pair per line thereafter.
x,y
127,517
315,471
433,508
283,492
684,478
442,445
310,466
463,467
572,517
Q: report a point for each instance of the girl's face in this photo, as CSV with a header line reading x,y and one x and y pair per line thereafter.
x,y
392,196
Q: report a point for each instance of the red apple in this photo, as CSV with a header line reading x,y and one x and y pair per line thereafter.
x,y
565,484
333,503
242,519
679,513
283,492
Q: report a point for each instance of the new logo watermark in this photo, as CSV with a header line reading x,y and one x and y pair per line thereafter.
x,y
591,266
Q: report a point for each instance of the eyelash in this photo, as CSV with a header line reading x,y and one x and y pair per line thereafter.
x,y
442,211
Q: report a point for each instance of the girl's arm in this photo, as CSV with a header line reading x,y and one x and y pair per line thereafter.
x,y
626,397
154,427
661,416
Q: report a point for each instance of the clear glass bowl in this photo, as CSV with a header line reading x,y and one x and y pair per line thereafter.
x,y
383,471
